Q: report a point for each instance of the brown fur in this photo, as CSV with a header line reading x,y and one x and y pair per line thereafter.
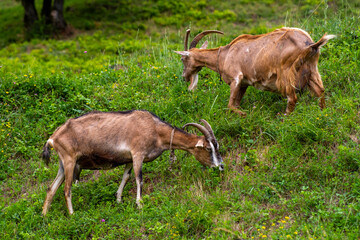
x,y
282,61
101,140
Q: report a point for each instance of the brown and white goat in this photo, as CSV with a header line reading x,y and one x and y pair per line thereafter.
x,y
283,61
104,140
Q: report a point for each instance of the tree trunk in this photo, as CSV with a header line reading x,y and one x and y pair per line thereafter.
x,y
30,15
46,11
57,15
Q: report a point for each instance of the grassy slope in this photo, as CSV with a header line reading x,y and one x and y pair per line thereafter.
x,y
286,177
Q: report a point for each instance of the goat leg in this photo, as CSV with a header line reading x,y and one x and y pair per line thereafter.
x,y
291,102
124,180
236,93
316,87
69,172
137,163
53,188
77,171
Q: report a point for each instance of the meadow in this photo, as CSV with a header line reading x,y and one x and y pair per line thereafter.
x,y
286,177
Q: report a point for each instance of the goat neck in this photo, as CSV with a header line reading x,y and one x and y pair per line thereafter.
x,y
210,58
180,139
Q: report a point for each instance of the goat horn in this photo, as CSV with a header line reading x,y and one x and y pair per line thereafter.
x,y
201,128
186,40
200,36
208,127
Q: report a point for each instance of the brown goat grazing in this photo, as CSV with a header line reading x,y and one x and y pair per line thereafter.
x,y
283,61
105,140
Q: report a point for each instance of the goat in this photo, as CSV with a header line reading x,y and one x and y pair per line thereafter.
x,y
283,61
105,140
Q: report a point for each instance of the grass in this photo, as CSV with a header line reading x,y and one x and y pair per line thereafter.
x,y
286,177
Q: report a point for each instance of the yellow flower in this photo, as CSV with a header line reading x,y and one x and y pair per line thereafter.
x,y
295,233
263,227
287,218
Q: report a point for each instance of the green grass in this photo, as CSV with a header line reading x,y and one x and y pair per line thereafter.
x,y
286,177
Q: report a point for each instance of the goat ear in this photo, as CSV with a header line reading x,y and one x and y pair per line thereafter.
x,y
205,45
200,143
183,53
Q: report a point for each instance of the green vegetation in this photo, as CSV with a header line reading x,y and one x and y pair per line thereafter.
x,y
286,177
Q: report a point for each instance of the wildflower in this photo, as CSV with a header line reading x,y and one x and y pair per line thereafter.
x,y
288,236
103,220
263,236
287,218
263,227
295,233
85,51
189,211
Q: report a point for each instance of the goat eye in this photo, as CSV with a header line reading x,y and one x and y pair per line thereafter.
x,y
208,149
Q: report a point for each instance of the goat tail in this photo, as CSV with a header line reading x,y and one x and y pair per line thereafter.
x,y
312,50
46,153
322,41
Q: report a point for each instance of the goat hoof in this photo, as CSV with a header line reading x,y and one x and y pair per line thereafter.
x,y
140,204
242,114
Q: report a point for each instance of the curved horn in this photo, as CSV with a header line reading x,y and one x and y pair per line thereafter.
x,y
200,36
201,128
208,127
186,40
